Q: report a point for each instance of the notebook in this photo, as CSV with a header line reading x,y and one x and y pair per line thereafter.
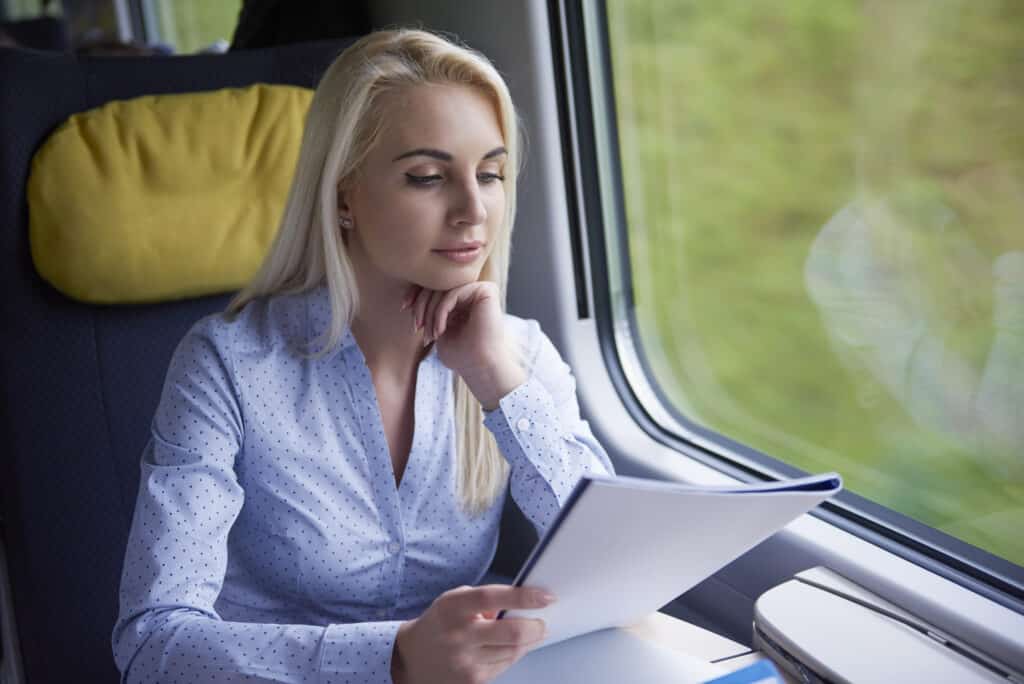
x,y
623,547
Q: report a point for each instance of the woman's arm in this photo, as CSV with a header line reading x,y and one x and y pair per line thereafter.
x,y
176,558
537,420
540,432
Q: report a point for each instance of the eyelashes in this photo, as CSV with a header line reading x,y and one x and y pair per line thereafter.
x,y
422,180
434,179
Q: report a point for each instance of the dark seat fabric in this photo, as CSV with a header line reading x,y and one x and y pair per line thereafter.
x,y
79,383
263,23
44,33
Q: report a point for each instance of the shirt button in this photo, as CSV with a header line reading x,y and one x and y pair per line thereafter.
x,y
523,424
394,547
382,613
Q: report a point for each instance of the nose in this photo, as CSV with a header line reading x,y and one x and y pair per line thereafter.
x,y
467,205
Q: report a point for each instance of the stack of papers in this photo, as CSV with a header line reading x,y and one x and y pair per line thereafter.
x,y
623,547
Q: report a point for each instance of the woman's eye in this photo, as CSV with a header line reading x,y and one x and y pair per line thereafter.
x,y
422,180
490,177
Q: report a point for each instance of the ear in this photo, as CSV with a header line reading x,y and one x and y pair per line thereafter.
x,y
345,218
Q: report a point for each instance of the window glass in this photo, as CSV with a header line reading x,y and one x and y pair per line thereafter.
x,y
825,205
194,25
14,10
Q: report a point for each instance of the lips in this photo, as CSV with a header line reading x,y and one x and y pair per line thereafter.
x,y
461,247
462,255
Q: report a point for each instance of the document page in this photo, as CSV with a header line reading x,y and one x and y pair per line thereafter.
x,y
624,547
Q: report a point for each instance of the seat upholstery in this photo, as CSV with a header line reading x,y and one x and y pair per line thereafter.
x,y
79,383
42,33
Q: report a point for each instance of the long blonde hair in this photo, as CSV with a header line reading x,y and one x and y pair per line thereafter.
x,y
343,123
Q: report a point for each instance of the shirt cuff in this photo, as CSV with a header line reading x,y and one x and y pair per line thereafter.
x,y
531,436
524,417
358,652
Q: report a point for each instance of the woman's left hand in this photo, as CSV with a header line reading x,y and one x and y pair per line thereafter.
x,y
467,325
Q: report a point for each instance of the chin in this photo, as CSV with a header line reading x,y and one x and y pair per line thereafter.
x,y
450,278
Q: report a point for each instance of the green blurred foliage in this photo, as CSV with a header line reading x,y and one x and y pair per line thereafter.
x,y
16,10
197,24
745,126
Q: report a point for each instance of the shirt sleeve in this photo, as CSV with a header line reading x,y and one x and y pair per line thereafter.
x,y
539,430
176,558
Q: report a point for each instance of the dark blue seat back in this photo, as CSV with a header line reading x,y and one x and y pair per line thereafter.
x,y
42,33
79,383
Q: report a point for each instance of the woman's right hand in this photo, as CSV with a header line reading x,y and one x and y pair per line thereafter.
x,y
457,639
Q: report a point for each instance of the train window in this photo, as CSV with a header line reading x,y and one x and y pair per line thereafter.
x,y
822,211
191,25
13,10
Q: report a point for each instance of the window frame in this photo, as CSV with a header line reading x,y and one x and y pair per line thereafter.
x,y
593,172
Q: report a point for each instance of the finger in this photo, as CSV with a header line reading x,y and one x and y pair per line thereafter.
x,y
500,655
518,632
467,602
409,296
441,313
429,322
418,307
448,303
415,293
491,672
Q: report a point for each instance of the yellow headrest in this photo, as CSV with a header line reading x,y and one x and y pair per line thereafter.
x,y
164,197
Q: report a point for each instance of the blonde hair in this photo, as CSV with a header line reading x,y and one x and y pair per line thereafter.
x,y
343,123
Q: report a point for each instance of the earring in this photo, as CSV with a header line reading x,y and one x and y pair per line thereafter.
x,y
345,221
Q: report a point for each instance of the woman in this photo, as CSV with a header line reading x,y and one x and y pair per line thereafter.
x,y
329,461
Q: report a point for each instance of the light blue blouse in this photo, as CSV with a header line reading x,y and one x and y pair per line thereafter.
x,y
269,540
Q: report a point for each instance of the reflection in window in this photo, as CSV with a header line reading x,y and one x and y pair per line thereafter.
x,y
825,206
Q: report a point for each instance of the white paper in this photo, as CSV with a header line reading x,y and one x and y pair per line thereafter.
x,y
627,547
610,656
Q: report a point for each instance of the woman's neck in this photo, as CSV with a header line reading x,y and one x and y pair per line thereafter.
x,y
384,332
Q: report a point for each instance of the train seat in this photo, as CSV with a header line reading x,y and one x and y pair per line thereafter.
x,y
80,382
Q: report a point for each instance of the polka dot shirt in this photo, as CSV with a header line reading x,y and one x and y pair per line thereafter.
x,y
270,541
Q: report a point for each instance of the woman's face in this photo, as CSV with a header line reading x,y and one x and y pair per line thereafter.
x,y
428,201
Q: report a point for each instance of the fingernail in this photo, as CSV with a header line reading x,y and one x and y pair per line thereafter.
x,y
543,598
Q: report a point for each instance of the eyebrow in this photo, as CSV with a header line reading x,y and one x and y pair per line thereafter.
x,y
443,156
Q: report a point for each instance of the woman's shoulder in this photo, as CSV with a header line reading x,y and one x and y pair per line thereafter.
x,y
522,328
527,337
261,324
